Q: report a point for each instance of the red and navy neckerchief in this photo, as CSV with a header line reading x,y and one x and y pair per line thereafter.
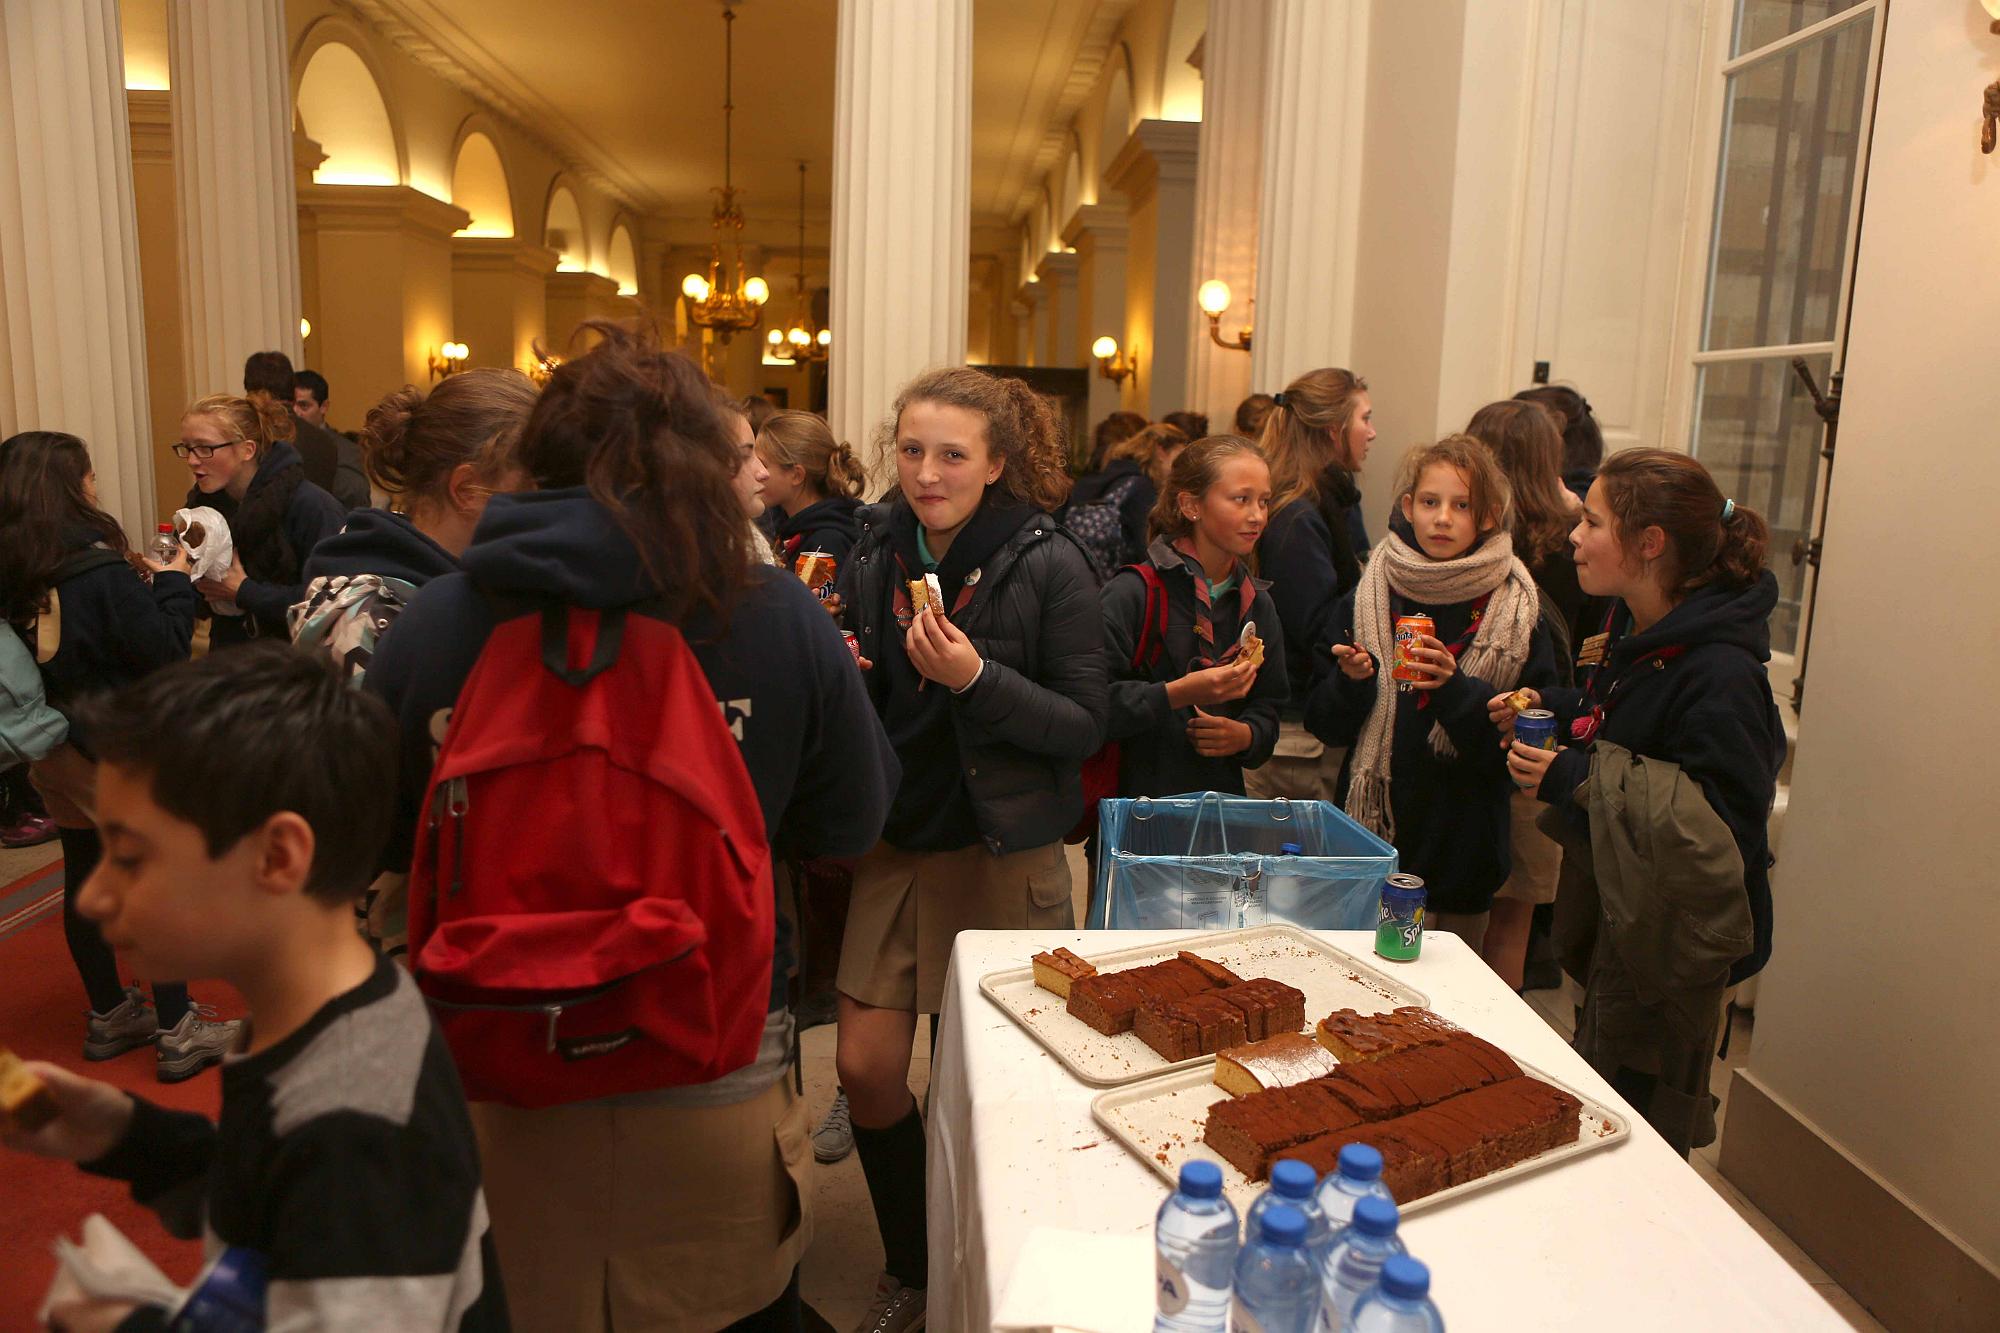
x,y
1204,608
1458,645
1591,721
790,546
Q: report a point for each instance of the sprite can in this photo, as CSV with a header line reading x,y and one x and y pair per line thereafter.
x,y
1399,927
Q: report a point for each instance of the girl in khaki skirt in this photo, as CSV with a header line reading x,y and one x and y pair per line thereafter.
x,y
978,620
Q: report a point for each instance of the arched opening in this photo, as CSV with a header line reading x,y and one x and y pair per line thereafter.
x,y
1117,126
622,262
1072,189
562,231
342,109
1180,82
479,186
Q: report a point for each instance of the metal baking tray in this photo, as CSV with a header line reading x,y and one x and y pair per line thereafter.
x,y
1160,1121
1331,979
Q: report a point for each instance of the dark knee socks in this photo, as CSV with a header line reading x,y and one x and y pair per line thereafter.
x,y
892,1159
94,960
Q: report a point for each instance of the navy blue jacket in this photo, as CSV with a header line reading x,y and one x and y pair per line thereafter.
x,y
1135,510
310,517
1297,556
1708,709
828,526
376,541
1452,818
1154,756
116,629
781,674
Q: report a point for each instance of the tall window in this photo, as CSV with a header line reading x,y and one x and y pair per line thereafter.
x,y
1796,93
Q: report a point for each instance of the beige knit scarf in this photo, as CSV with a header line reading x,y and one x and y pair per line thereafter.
x,y
1498,650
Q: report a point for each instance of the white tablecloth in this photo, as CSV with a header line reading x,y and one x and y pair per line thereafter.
x,y
1627,1237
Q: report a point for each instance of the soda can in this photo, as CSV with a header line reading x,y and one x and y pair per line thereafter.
x,y
1536,729
1399,926
853,645
1407,630
817,570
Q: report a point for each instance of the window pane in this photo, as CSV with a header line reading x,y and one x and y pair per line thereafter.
x,y
1761,22
1791,135
1756,431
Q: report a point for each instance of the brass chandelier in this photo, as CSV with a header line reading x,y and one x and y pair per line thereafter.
x,y
740,305
804,340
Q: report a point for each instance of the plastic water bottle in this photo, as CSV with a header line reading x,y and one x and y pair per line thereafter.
x,y
1355,1263
1194,1254
1274,1276
1292,1182
1400,1302
1284,900
1356,1176
165,544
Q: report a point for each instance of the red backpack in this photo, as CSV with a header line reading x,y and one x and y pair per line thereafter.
x,y
1100,771
590,904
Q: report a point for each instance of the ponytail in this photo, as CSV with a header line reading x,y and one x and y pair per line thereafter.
x,y
255,418
1711,540
804,440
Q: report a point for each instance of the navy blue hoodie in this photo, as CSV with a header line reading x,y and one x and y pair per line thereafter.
x,y
1707,707
309,516
1308,574
782,676
115,628
376,541
828,525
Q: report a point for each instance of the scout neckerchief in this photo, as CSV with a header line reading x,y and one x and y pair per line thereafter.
x,y
790,548
1204,607
1598,648
1458,645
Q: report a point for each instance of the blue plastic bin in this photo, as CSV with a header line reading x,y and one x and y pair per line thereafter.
x,y
1206,861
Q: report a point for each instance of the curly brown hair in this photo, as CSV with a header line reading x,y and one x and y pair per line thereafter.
x,y
1023,429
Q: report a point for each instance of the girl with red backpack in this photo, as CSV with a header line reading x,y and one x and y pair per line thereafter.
x,y
978,618
636,1161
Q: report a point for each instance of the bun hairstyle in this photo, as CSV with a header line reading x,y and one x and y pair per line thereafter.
x,y
1583,442
1148,448
1194,425
256,417
1306,432
413,441
1195,469
804,440
1710,540
1251,414
1023,429
1523,437
640,428
1492,499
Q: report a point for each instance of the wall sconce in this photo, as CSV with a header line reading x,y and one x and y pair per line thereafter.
x,y
1214,298
305,328
1113,364
1989,120
448,360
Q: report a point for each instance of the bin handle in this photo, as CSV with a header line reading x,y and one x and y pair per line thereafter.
x,y
1222,825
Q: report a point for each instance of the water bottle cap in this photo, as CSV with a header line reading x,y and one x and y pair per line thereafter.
x,y
1375,1217
1405,1277
1361,1161
1283,1225
166,527
1290,849
1293,1179
1201,1179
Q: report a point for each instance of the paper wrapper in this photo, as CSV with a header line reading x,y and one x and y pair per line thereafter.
x,y
212,556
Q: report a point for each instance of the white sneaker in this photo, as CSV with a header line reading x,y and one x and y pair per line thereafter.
x,y
128,1025
897,1308
193,1044
833,1138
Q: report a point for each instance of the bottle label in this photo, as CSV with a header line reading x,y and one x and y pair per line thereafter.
x,y
1171,1288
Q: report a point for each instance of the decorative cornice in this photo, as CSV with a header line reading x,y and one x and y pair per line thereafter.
x,y
1097,224
1157,149
1098,41
502,254
356,208
416,29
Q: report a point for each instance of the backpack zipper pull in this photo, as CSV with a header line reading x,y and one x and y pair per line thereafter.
x,y
455,807
554,1011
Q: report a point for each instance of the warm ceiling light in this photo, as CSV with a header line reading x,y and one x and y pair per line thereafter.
x,y
825,338
448,360
774,337
1111,363
1104,348
1215,294
1214,297
757,290
305,328
1993,8
799,338
694,287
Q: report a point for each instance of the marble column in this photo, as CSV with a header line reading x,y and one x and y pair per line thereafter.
x,y
902,212
72,334
1155,172
1029,320
1098,233
1060,347
233,158
1229,174
500,298
1315,87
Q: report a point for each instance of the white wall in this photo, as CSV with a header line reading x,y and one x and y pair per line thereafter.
x,y
1876,1022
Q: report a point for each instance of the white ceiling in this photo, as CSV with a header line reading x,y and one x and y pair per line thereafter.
x,y
633,90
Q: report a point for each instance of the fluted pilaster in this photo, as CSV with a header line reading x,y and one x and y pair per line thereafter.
x,y
1229,177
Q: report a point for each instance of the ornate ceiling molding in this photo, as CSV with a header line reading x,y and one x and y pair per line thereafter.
x,y
1098,41
417,29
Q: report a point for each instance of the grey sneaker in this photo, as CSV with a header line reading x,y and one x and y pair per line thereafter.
x,y
896,1308
126,1028
195,1043
833,1139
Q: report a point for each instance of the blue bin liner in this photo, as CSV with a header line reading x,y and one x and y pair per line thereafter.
x,y
1207,861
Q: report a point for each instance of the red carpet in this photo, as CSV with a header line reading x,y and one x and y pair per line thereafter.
x,y
42,1018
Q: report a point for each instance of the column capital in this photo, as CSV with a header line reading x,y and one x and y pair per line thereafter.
x,y
502,254
580,286
383,208
1101,225
1158,150
152,116
1057,269
306,157
1029,295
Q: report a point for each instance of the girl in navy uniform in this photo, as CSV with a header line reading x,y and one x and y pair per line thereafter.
x,y
814,481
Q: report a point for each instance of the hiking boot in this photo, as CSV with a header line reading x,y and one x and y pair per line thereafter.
x,y
896,1308
833,1138
195,1043
130,1025
28,831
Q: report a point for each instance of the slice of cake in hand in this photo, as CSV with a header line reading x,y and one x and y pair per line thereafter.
x,y
24,1099
1355,1036
1056,970
1276,1062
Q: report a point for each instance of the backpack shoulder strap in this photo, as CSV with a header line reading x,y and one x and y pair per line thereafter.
x,y
1153,625
82,562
